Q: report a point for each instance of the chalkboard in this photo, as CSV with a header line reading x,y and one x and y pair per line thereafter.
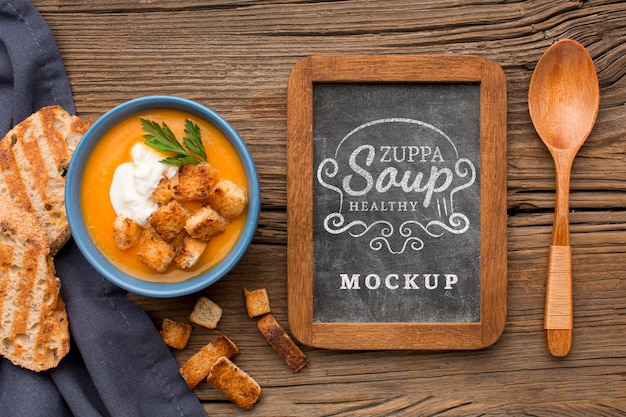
x,y
397,202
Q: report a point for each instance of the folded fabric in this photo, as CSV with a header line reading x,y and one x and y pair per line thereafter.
x,y
118,365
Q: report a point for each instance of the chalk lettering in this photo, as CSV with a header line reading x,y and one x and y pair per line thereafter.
x,y
372,281
409,281
394,285
439,179
386,157
350,282
392,281
369,180
410,154
391,205
429,283
437,156
451,279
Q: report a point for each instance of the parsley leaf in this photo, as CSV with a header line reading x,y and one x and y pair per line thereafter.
x,y
161,138
192,139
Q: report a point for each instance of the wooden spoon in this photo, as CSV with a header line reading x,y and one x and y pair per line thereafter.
x,y
563,100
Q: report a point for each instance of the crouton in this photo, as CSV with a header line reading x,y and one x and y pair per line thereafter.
x,y
236,384
163,192
155,252
257,302
281,342
194,182
126,231
228,199
206,313
204,224
199,365
189,252
175,334
169,220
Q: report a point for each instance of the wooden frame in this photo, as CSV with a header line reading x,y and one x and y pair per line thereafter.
x,y
493,215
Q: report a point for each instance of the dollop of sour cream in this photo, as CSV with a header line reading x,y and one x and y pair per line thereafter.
x,y
134,182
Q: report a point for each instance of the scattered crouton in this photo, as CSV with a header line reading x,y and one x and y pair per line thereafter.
x,y
127,232
228,199
257,302
175,334
205,223
236,384
169,220
189,252
281,342
199,365
163,192
194,182
155,252
206,313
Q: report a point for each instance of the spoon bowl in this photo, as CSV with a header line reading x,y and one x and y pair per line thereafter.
x,y
564,97
563,100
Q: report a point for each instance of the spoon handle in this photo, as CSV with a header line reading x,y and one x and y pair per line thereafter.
x,y
558,320
558,315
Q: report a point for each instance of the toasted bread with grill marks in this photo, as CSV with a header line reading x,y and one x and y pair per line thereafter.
x,y
34,331
34,157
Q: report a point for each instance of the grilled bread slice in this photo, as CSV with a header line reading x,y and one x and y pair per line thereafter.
x,y
34,157
34,331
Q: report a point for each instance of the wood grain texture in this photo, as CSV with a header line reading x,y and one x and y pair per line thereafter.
x,y
236,57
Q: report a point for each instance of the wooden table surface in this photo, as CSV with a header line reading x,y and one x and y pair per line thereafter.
x,y
236,56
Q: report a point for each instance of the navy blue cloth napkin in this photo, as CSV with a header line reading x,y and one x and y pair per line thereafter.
x,y
118,365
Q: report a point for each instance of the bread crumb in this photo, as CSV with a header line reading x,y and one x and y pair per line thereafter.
x,y
206,313
189,252
199,365
175,334
228,199
169,220
281,342
236,384
155,252
257,302
205,223
126,231
194,182
163,192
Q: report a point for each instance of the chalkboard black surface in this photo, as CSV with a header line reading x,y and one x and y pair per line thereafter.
x,y
397,202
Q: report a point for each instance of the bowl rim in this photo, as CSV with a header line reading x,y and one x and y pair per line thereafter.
x,y
81,235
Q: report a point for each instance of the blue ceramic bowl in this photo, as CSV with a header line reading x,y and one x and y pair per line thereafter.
x,y
82,236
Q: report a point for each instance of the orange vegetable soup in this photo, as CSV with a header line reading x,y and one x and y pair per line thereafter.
x,y
114,149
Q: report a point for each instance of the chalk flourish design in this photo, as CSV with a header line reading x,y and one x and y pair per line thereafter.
x,y
335,223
